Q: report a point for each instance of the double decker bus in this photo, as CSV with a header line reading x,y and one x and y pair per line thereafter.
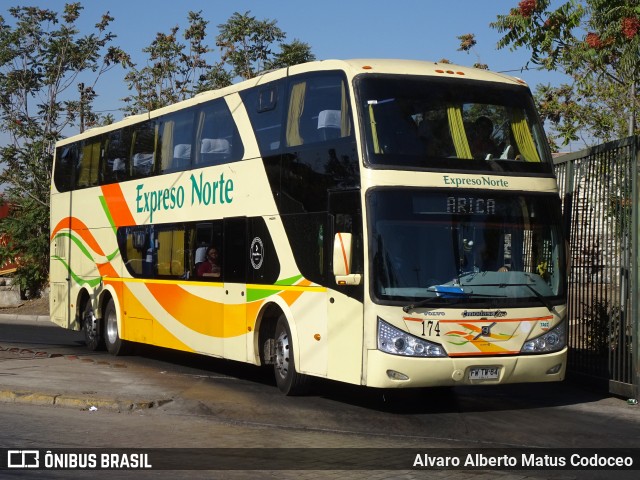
x,y
377,222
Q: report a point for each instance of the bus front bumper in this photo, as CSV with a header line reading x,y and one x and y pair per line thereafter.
x,y
394,371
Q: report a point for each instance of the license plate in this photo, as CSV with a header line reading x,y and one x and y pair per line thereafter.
x,y
484,373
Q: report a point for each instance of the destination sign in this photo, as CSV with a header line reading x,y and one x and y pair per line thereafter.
x,y
471,205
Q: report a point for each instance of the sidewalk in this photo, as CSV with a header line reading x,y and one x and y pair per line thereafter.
x,y
85,380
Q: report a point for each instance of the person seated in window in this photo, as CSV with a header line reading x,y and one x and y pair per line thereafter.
x,y
211,266
482,144
487,256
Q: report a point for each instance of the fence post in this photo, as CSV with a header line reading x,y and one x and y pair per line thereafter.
x,y
634,295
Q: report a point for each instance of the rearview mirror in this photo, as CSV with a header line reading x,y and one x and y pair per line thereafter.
x,y
342,246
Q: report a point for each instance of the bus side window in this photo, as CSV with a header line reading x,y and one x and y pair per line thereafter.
x,y
115,167
318,110
88,166
66,163
264,107
143,150
175,141
218,137
204,236
171,252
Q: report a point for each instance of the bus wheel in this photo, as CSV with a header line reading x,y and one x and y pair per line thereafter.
x,y
289,381
115,345
92,329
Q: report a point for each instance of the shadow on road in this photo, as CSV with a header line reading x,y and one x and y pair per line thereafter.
x,y
492,398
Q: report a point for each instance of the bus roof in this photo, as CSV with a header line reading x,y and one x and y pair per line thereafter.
x,y
351,67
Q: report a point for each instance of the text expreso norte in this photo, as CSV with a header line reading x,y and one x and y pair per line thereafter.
x,y
485,181
203,192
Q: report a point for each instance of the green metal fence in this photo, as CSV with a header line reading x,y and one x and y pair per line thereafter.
x,y
599,187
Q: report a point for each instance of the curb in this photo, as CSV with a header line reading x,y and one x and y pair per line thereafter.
x,y
82,403
8,317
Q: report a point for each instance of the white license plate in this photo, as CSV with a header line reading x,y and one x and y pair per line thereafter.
x,y
484,373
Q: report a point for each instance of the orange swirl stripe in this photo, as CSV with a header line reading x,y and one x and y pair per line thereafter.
x,y
192,311
79,228
117,205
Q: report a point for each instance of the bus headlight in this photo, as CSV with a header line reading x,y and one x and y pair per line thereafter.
x,y
396,342
551,341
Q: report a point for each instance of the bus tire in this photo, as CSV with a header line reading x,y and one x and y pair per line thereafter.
x,y
289,381
92,327
115,345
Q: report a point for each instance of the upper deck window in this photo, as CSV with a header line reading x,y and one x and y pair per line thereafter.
x,y
421,122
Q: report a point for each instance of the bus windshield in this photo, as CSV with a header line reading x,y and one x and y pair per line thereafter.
x,y
465,247
422,122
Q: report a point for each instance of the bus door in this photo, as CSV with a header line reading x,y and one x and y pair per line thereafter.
x,y
235,253
60,299
345,298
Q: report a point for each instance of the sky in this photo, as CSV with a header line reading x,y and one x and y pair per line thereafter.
x,y
341,29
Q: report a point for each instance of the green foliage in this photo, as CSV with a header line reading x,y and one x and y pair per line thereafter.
x,y
602,325
597,44
42,58
177,70
246,43
48,73
292,53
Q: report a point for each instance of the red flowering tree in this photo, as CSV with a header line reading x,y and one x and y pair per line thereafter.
x,y
594,42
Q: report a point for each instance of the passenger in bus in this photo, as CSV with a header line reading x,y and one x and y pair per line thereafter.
x,y
483,146
488,254
200,256
211,266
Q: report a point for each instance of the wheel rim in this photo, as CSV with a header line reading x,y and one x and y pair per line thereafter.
x,y
112,327
282,354
90,325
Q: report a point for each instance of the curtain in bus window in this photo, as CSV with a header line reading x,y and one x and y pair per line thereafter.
x,y
171,253
166,152
522,135
345,120
177,253
296,106
374,130
88,168
456,127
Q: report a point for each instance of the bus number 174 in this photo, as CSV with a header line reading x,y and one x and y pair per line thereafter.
x,y
430,326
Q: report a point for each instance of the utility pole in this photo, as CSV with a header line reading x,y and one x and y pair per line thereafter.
x,y
82,100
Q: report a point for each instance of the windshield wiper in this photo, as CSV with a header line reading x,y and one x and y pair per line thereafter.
x,y
430,301
449,295
540,297
537,294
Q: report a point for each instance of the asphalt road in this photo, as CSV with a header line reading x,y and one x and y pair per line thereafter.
x,y
169,399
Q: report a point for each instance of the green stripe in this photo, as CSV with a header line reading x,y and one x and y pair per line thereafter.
x,y
79,243
289,282
115,253
254,294
93,282
108,214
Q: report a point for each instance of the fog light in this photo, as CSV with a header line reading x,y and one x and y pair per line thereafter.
x,y
554,369
393,375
